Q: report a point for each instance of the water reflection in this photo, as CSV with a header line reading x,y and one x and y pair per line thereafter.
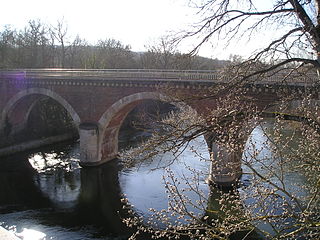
x,y
144,184
73,197
99,200
58,175
281,189
69,202
66,199
31,234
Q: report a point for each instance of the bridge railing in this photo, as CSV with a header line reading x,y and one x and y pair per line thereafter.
x,y
148,74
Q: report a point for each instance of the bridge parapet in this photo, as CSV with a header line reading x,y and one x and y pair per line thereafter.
x,y
202,76
113,74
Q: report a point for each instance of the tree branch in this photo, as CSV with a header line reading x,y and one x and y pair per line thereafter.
x,y
305,19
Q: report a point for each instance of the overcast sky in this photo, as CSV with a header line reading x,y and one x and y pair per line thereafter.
x,y
134,22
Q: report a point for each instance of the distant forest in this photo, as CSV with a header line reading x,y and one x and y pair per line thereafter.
x,y
41,46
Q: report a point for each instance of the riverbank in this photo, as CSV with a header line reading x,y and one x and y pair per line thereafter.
x,y
33,144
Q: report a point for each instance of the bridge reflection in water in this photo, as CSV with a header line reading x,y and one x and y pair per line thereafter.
x,y
59,200
62,200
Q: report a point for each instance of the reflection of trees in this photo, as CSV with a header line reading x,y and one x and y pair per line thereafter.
x,y
58,174
62,156
60,186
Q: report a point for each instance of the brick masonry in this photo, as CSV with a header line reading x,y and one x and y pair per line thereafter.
x,y
102,100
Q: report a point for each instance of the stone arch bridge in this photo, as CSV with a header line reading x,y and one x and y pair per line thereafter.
x,y
99,100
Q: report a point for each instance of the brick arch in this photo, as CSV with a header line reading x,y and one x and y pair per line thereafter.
x,y
111,121
38,91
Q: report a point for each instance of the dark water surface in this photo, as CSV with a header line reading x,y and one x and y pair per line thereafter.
x,y
56,198
45,194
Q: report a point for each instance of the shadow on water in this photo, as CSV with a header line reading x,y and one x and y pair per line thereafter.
x,y
17,189
99,200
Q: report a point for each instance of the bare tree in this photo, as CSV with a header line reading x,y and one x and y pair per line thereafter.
x,y
59,32
7,42
159,55
113,54
294,26
164,54
77,53
32,43
289,208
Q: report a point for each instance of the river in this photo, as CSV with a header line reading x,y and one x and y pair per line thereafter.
x,y
45,194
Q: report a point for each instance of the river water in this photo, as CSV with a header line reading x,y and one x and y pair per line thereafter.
x,y
45,194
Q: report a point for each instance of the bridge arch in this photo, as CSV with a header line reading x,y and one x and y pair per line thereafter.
x,y
228,167
36,91
110,122
226,162
115,108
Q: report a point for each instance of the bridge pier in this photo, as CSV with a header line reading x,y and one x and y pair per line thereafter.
x,y
225,167
89,144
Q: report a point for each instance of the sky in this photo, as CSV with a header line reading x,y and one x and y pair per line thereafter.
x,y
138,23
